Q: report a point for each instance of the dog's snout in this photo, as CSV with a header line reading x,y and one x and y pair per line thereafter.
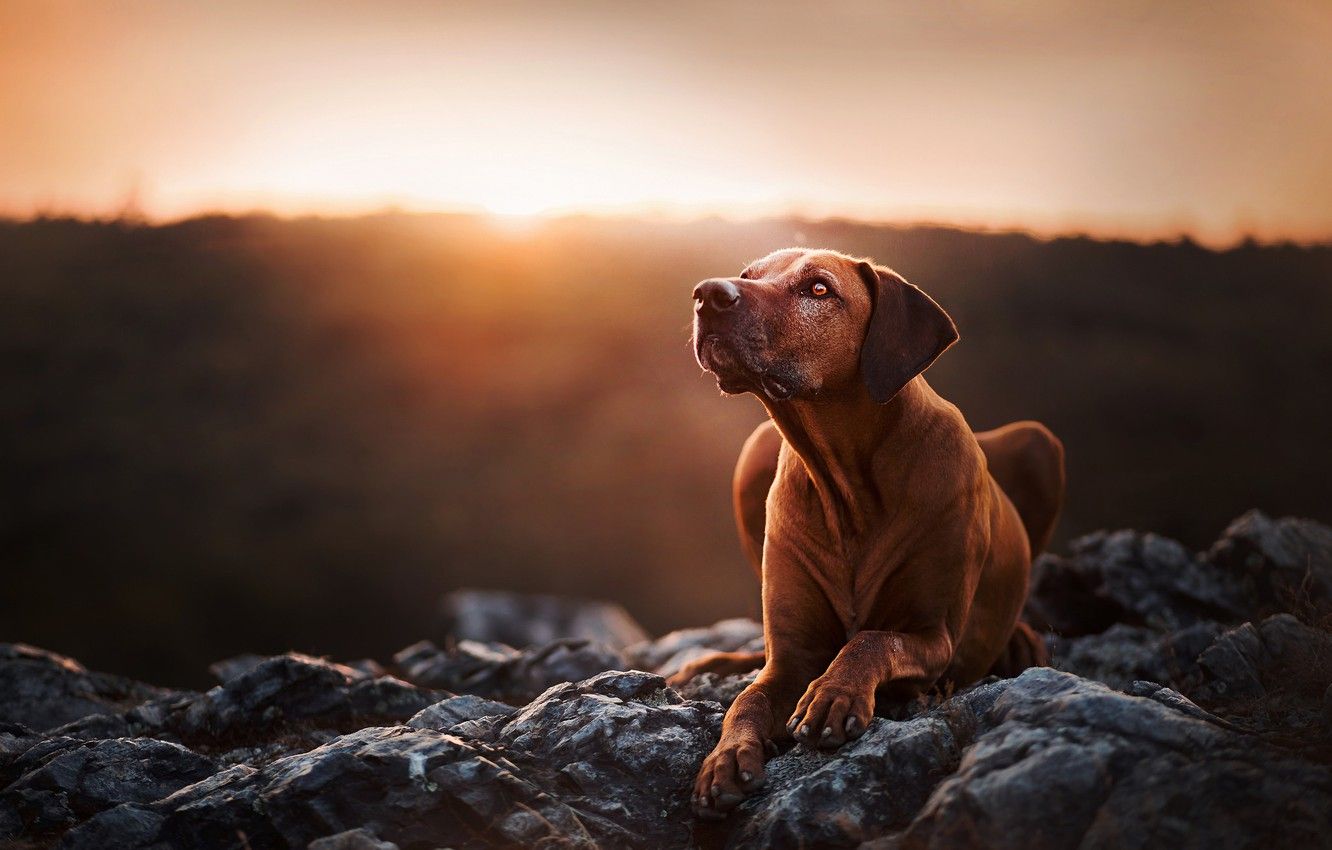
x,y
716,295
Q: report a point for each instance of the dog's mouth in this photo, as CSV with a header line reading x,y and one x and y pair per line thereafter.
x,y
776,390
735,375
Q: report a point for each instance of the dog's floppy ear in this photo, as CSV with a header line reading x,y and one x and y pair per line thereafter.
x,y
907,331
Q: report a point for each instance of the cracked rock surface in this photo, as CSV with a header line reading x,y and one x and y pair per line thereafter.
x,y
1189,705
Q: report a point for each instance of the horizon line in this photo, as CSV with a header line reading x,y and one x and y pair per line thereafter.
x,y
532,220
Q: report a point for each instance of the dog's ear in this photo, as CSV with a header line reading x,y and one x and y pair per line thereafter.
x,y
907,331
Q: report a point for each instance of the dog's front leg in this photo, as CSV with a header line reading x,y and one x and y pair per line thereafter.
x,y
735,767
800,639
838,705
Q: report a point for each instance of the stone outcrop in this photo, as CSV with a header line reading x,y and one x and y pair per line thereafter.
x,y
1189,705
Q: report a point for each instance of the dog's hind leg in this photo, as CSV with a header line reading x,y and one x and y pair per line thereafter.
x,y
721,663
1027,461
1025,649
754,474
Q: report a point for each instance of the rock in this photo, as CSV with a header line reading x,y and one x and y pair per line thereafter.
x,y
1285,564
1123,654
425,663
869,787
299,700
1171,698
1067,763
603,763
15,740
1046,760
238,665
352,839
628,749
296,688
1132,578
1273,675
1220,735
522,620
1257,567
501,672
448,713
667,654
60,786
43,690
719,689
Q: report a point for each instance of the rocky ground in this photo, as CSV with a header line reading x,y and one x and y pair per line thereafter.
x,y
1189,706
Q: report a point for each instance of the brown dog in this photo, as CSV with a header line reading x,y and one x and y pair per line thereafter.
x,y
892,543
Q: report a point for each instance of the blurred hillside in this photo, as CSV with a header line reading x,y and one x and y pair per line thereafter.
x,y
233,435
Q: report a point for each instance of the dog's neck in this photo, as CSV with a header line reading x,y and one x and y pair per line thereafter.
x,y
841,440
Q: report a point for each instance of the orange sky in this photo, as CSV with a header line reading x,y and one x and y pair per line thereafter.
x,y
1125,118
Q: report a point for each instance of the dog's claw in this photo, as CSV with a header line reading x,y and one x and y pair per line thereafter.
x,y
729,800
827,732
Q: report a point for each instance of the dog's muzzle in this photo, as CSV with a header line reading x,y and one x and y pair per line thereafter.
x,y
725,344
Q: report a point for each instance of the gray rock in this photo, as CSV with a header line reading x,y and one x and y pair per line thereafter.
x,y
1219,736
1132,578
668,653
296,688
448,713
43,690
1270,676
238,665
296,698
627,749
603,763
15,740
522,619
352,839
1284,564
869,787
1123,654
719,689
501,672
1063,763
60,786
425,663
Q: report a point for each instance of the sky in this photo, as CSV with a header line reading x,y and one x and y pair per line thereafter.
x,y
1138,119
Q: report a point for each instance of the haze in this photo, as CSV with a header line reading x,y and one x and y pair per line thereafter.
x,y
1127,119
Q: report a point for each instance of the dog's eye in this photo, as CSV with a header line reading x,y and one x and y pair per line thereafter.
x,y
819,290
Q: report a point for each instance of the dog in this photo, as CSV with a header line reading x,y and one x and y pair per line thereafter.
x,y
893,544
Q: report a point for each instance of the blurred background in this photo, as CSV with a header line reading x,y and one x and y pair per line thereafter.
x,y
313,312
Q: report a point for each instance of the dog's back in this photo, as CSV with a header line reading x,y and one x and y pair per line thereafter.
x,y
1025,458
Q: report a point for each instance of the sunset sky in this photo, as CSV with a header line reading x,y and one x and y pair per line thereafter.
x,y
1122,118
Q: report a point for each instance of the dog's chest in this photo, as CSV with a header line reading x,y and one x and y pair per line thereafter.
x,y
852,572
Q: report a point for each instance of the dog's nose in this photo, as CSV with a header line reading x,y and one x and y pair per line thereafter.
x,y
715,296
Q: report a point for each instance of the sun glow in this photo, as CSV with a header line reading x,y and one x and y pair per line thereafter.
x,y
1068,119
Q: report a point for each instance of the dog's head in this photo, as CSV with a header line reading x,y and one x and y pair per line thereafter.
x,y
799,323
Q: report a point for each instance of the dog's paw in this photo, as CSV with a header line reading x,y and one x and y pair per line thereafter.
x,y
682,676
732,771
831,713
